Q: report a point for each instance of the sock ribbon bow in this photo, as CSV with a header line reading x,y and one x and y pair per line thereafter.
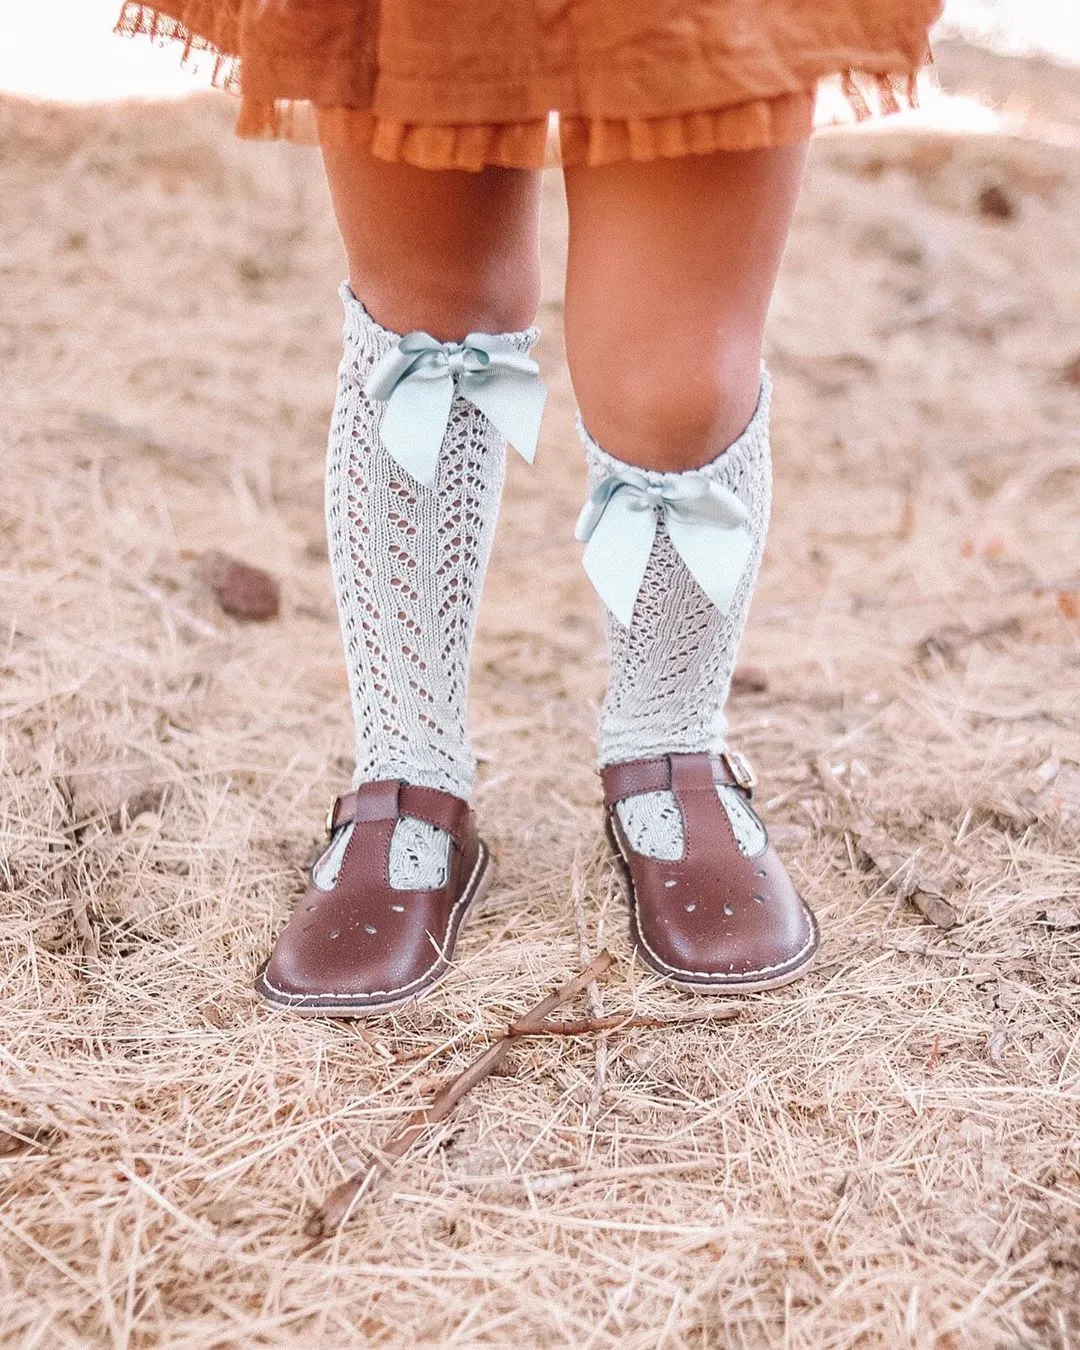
x,y
706,523
418,377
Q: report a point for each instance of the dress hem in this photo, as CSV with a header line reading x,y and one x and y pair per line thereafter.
x,y
780,117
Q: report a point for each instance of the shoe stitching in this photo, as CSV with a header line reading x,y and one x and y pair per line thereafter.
x,y
442,959
730,976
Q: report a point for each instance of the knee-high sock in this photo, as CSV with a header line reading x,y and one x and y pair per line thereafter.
x,y
408,563
671,666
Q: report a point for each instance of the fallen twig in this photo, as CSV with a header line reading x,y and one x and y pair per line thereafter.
x,y
72,884
900,871
179,612
948,640
589,1026
23,1137
901,874
146,438
334,1210
578,889
856,604
586,1026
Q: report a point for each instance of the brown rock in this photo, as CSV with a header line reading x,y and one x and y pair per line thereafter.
x,y
243,591
749,680
996,202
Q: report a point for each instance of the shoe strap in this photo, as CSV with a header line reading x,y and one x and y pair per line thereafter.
x,y
390,799
675,773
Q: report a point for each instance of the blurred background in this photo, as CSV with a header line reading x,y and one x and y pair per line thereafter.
x,y
69,52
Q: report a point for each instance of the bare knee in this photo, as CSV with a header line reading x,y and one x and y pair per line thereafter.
x,y
667,410
445,251
494,295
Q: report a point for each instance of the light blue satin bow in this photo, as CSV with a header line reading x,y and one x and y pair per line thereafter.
x,y
417,379
706,523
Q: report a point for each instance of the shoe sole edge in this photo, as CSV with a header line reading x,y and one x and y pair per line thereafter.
x,y
318,1005
705,986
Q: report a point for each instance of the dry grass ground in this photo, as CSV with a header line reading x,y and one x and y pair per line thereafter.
x,y
885,1154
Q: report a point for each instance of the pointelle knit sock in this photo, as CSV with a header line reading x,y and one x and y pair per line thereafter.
x,y
408,563
671,665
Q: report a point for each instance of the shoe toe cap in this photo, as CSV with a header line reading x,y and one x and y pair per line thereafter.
x,y
745,923
320,955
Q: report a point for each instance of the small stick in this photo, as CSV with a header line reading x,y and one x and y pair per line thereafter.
x,y
335,1209
596,999
586,1026
71,885
855,603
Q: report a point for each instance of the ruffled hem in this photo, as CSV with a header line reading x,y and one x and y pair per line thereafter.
x,y
784,119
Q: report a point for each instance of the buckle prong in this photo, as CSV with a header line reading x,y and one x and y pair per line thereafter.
x,y
741,770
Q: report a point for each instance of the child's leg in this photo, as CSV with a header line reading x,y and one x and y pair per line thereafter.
x,y
443,251
670,272
671,269
410,530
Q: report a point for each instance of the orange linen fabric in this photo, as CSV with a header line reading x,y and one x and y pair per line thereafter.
x,y
463,83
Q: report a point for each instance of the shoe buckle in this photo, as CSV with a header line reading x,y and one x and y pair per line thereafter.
x,y
740,769
331,812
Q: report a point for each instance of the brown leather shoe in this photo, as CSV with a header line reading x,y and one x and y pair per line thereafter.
x,y
714,919
364,947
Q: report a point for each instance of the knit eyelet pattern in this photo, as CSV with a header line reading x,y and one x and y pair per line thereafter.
x,y
671,668
408,564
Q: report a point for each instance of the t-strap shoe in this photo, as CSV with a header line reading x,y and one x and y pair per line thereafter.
x,y
362,946
724,916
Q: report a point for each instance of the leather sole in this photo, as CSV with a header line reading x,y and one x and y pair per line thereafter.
x,y
361,1005
718,984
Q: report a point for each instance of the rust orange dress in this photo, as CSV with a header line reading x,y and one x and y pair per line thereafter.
x,y
464,83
